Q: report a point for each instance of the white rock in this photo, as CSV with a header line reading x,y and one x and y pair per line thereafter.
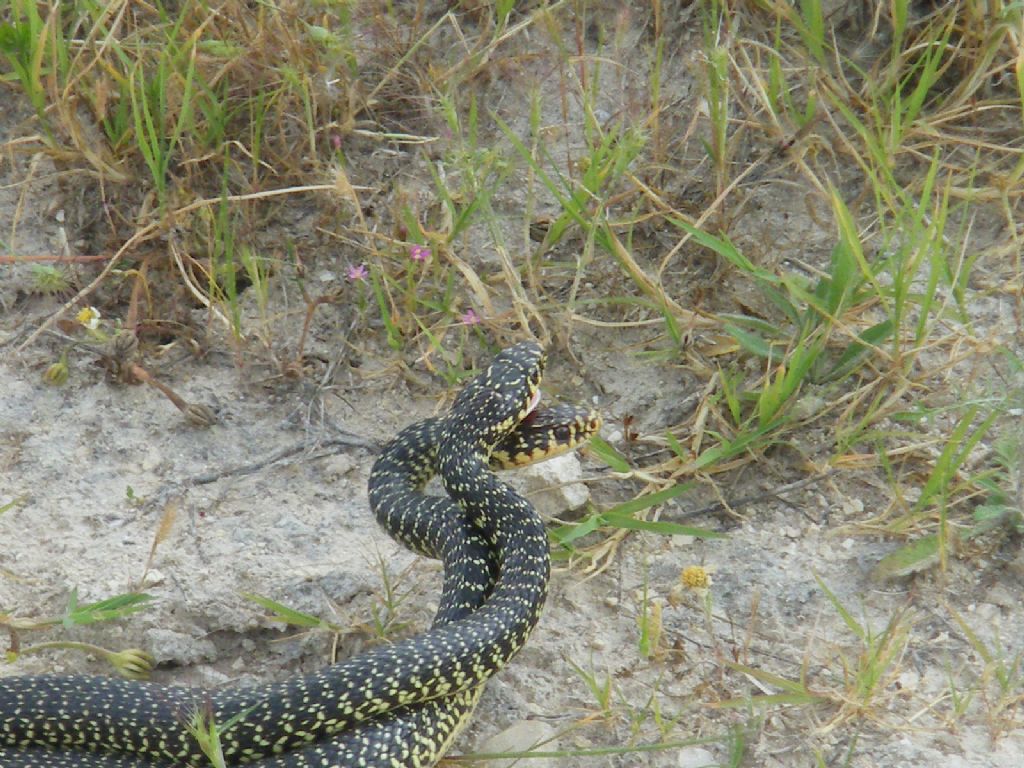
x,y
695,757
552,486
521,736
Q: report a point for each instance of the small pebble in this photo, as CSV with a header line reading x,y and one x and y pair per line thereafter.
x,y
909,680
695,757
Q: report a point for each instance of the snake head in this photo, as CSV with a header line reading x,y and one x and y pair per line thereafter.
x,y
547,432
493,403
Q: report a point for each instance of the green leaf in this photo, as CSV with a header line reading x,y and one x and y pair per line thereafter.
x,y
764,327
673,443
103,610
847,617
12,504
622,516
956,450
791,686
855,353
603,451
728,449
569,533
285,614
724,248
662,527
783,304
751,343
913,558
648,500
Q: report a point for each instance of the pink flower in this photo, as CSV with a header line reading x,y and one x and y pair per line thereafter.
x,y
470,317
419,253
358,272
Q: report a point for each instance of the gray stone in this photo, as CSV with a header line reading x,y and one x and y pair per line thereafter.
x,y
552,486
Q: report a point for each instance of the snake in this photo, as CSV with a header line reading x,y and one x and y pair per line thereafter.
x,y
397,705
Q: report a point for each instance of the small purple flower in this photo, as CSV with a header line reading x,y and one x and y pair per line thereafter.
x,y
357,272
419,253
470,317
335,141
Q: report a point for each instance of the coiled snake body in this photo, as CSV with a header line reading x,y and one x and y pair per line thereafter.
x,y
398,705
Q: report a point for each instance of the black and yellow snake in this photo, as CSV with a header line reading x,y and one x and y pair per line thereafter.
x,y
397,705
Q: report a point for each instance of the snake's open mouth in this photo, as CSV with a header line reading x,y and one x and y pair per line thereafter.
x,y
534,402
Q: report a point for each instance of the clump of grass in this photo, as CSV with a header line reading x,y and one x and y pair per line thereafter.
x,y
206,730
1000,682
866,675
132,663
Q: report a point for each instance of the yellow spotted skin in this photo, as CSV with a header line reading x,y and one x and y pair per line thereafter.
x,y
399,705
413,737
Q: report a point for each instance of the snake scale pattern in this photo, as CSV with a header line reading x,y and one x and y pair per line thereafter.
x,y
396,706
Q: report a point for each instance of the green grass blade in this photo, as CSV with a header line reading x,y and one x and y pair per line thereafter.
x,y
602,450
915,557
847,617
285,614
111,608
648,500
724,248
662,527
957,448
790,686
859,351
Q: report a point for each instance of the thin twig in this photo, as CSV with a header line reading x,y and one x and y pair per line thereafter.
x,y
347,441
748,500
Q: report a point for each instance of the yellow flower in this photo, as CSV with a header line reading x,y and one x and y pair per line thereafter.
x,y
89,317
695,577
